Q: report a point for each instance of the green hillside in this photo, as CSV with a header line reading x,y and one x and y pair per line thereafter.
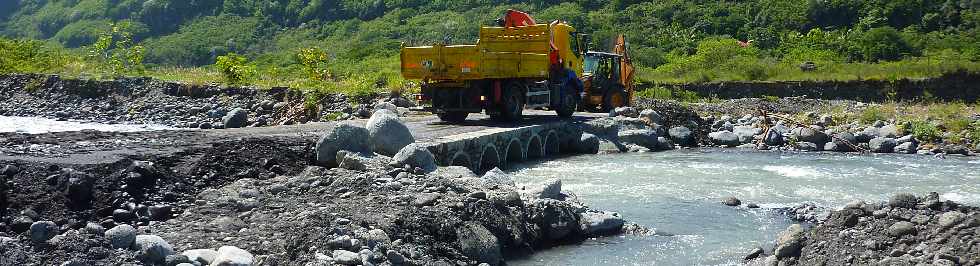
x,y
356,41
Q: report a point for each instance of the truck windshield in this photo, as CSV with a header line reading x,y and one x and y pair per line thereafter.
x,y
590,64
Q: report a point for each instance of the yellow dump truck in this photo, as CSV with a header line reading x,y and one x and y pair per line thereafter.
x,y
514,66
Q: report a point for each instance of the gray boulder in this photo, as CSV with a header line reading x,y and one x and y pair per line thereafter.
x,y
888,131
587,143
651,116
478,243
643,137
907,148
597,223
386,106
746,133
901,228
152,248
866,135
789,242
237,118
202,256
121,236
344,136
774,138
416,155
344,257
387,133
810,135
43,230
956,149
844,141
493,178
903,200
832,146
681,135
731,201
626,111
951,218
550,190
79,188
882,145
724,138
233,256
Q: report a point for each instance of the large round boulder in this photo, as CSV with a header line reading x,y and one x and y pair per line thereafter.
x,y
587,143
387,133
233,256
236,118
344,136
681,135
651,116
43,230
882,145
724,138
152,248
416,155
121,236
646,138
811,135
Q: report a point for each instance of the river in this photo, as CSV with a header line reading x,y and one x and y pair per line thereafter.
x,y
678,193
38,125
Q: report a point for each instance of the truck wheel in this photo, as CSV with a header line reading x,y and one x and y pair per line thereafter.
x,y
568,105
453,117
612,99
512,109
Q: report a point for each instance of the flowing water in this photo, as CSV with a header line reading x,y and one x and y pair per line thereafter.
x,y
38,125
678,193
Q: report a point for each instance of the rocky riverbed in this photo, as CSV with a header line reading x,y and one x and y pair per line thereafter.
x,y
324,199
905,230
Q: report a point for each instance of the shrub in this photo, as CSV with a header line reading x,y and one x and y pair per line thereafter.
x,y
883,44
874,113
28,56
235,69
314,62
117,51
923,131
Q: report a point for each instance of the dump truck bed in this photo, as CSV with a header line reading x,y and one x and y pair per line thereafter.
x,y
520,52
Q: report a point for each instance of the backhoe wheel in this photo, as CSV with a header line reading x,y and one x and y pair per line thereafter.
x,y
512,107
612,99
568,105
454,117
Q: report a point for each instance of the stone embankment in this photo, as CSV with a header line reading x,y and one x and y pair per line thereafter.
x,y
180,105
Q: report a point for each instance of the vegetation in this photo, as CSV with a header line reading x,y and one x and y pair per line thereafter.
x,y
329,45
927,121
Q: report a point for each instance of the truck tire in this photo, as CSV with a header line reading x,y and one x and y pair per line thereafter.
x,y
454,117
568,105
512,107
613,98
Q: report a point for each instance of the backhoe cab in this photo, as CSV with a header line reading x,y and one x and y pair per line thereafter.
x,y
608,79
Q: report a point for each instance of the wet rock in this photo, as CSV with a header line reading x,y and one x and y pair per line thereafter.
x,y
646,138
806,146
956,149
152,248
387,133
344,136
202,256
901,228
682,136
906,148
754,254
174,260
866,135
122,216
731,201
42,231
651,116
121,236
806,134
587,143
831,146
237,118
597,223
9,170
550,190
774,138
903,200
882,145
233,256
844,141
394,257
724,138
160,212
344,257
478,243
789,242
416,155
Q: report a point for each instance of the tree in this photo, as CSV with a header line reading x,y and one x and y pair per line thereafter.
x,y
884,43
